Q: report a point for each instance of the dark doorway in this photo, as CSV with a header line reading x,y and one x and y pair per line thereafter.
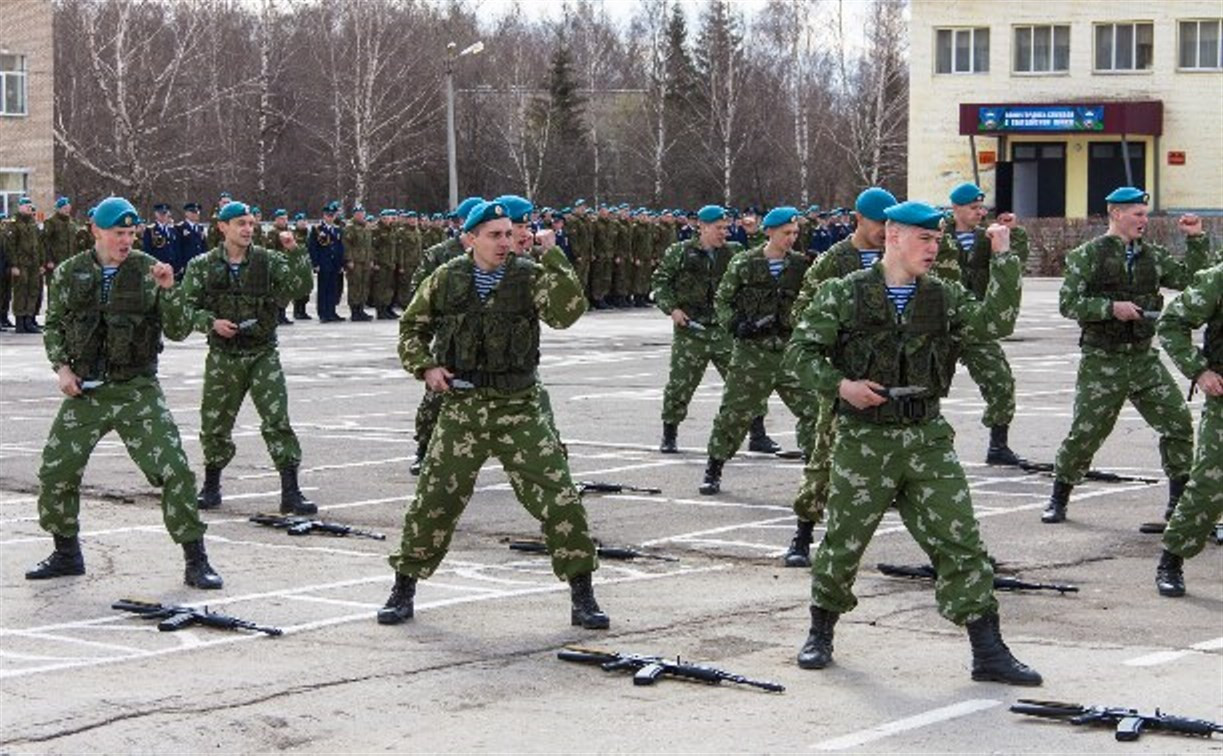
x,y
1038,179
1106,171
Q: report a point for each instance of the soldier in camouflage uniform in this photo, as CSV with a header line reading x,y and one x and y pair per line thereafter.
x,y
301,235
858,252
603,253
236,290
892,325
622,259
753,304
25,261
1201,504
577,226
84,234
964,256
432,259
278,240
477,319
1111,287
643,257
684,284
58,237
409,241
385,266
359,261
106,314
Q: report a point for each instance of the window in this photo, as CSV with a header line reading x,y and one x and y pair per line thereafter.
x,y
1200,47
1124,47
13,185
961,51
12,85
1042,49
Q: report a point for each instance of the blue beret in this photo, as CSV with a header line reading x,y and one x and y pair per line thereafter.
x,y
813,209
358,208
227,195
299,216
24,201
779,216
408,213
192,207
255,210
233,210
115,211
279,212
331,207
579,202
89,213
161,207
1127,195
711,214
465,207
388,213
872,203
60,202
915,214
482,213
518,208
966,194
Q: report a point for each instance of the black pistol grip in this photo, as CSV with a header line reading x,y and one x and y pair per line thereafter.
x,y
176,622
648,675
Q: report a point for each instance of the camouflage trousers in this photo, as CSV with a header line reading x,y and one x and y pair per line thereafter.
x,y
228,378
1104,382
431,405
986,363
474,425
27,291
691,353
382,287
359,280
755,373
915,467
403,283
601,275
1201,505
581,266
812,498
622,274
643,269
136,410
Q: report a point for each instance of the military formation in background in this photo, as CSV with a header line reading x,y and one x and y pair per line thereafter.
x,y
857,321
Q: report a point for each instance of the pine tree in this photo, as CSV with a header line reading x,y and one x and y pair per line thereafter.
x,y
558,124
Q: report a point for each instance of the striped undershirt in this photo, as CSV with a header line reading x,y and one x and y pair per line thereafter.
x,y
775,266
1131,252
485,281
868,257
966,239
900,296
108,278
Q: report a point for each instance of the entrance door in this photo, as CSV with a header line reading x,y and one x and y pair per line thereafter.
x,y
1106,171
1039,179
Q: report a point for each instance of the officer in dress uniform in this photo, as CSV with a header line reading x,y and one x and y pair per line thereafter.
x,y
159,235
326,247
188,239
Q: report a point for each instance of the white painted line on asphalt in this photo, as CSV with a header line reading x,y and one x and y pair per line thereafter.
x,y
335,602
76,641
925,719
716,531
1210,645
710,502
1162,657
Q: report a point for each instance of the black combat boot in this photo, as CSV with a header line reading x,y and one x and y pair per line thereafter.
x,y
291,499
299,311
399,607
758,440
65,560
210,495
816,653
199,574
999,452
992,660
282,319
4,321
670,432
359,315
1169,575
586,612
1176,487
713,477
1058,501
384,313
32,324
600,304
419,462
21,325
799,554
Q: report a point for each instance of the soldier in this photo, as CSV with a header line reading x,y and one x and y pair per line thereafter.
x,y
684,285
858,252
159,237
451,330
301,233
1111,287
106,314
821,237
622,259
900,451
753,304
408,249
84,233
6,286
1201,504
277,241
188,238
385,265
753,231
643,258
326,246
359,262
578,227
432,259
58,237
259,238
236,291
25,261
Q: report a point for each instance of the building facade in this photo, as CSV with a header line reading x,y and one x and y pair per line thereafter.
x,y
1050,105
27,103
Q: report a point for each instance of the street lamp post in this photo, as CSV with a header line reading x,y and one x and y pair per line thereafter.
x,y
451,159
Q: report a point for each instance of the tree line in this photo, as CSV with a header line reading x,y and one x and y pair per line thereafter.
x,y
295,102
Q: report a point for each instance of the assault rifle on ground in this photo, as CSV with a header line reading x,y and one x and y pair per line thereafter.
x,y
900,392
296,525
607,552
1001,582
1159,527
647,669
1129,723
178,617
594,486
1099,476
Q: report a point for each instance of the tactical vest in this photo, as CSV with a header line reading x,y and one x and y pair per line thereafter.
x,y
494,343
876,346
116,340
761,296
698,280
241,300
1109,278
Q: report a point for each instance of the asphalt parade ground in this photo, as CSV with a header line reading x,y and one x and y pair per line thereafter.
x,y
476,669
